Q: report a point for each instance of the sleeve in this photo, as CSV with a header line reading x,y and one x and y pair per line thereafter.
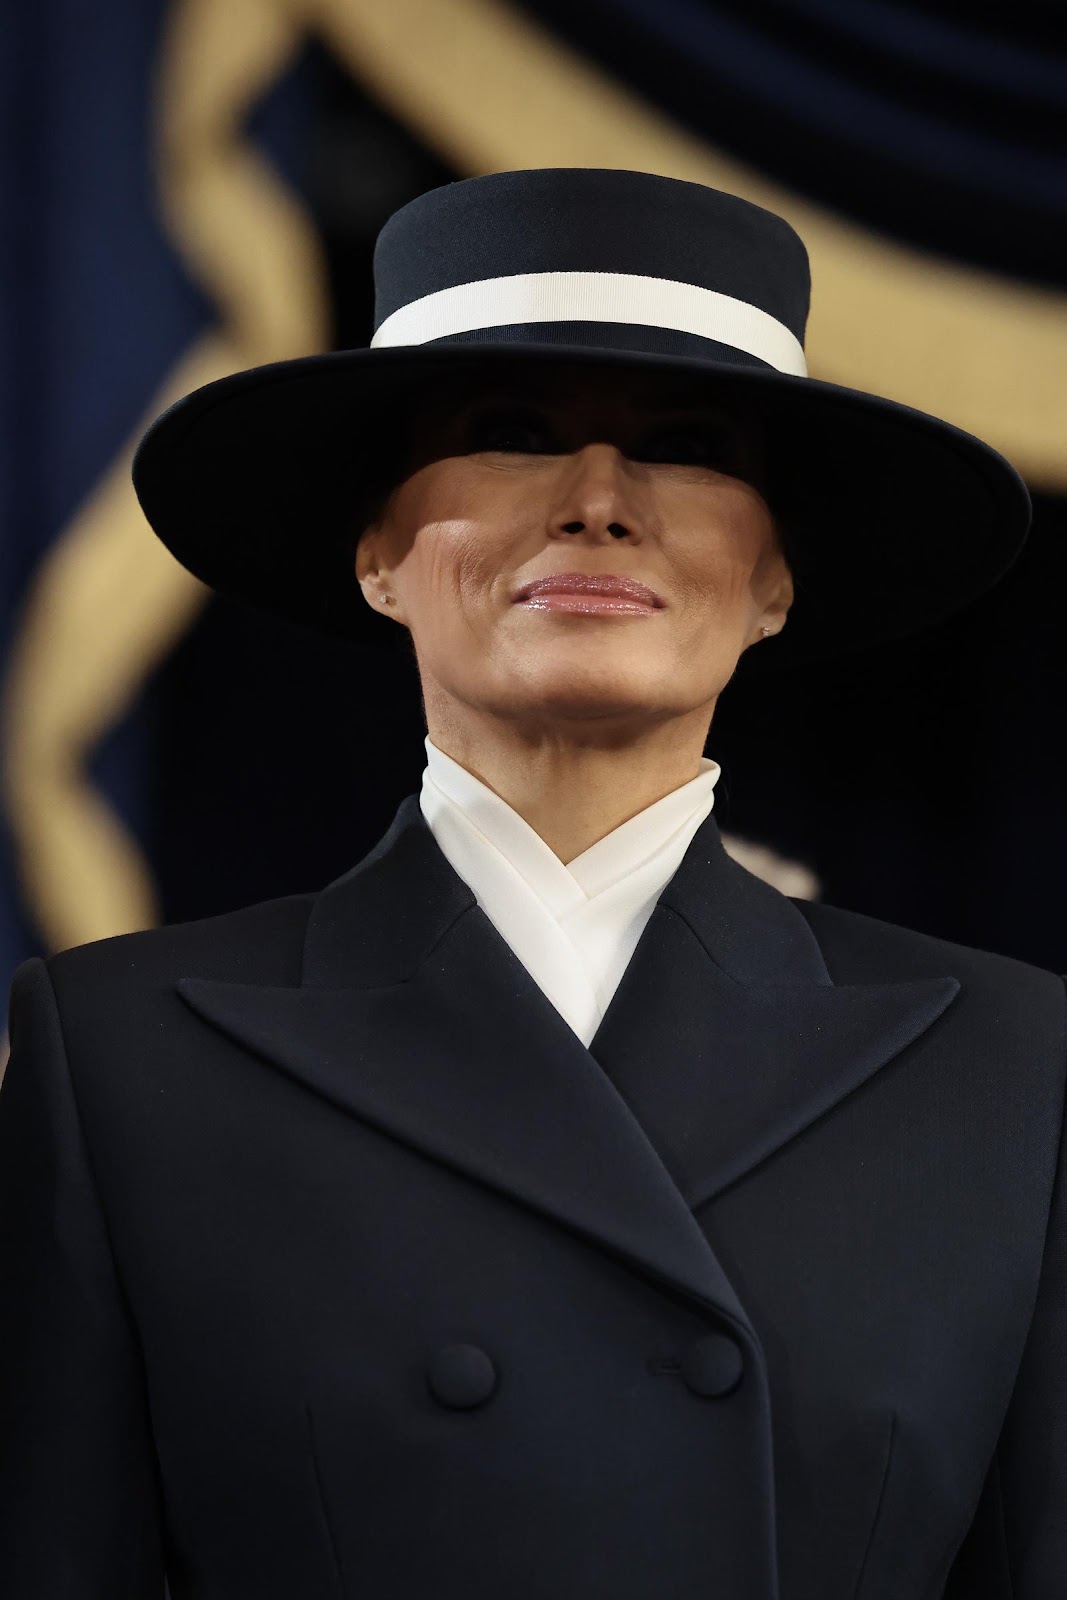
x,y
80,1511
1032,1451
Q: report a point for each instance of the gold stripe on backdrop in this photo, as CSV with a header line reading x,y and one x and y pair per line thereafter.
x,y
491,90
108,601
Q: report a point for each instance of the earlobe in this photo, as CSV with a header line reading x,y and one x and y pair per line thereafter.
x,y
370,574
367,572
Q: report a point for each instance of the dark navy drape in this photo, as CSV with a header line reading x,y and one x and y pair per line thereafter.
x,y
942,126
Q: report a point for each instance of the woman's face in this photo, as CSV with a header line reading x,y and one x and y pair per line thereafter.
x,y
633,476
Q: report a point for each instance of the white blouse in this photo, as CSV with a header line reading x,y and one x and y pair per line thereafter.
x,y
573,926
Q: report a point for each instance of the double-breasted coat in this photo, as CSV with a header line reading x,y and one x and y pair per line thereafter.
x,y
333,1265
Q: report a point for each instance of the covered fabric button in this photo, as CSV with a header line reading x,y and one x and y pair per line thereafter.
x,y
712,1365
461,1375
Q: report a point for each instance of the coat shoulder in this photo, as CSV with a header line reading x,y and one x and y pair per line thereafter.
x,y
259,943
862,949
1004,1010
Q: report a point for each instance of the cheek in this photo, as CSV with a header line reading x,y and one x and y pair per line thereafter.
x,y
458,566
456,559
719,538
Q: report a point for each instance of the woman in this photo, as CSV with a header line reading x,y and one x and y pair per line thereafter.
x,y
548,1207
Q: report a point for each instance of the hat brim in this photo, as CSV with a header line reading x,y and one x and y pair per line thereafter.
x,y
895,519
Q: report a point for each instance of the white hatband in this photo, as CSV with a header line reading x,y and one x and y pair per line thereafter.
x,y
595,297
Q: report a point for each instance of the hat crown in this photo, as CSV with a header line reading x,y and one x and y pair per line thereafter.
x,y
576,255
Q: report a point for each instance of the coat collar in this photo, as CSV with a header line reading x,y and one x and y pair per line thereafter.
x,y
725,1039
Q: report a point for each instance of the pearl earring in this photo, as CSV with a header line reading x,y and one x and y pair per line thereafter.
x,y
766,630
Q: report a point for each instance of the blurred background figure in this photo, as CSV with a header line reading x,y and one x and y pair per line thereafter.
x,y
194,186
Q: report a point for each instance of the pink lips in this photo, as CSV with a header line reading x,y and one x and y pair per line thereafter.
x,y
609,585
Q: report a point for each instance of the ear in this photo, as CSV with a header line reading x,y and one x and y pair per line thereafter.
x,y
777,609
373,577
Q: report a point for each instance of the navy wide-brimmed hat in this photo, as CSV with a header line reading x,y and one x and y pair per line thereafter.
x,y
892,518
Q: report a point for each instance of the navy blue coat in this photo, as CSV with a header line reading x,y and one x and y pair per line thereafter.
x,y
334,1267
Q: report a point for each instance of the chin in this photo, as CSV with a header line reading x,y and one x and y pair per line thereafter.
x,y
584,695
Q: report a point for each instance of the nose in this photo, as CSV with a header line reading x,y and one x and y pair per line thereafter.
x,y
595,494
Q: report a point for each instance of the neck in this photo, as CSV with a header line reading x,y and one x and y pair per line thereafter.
x,y
573,784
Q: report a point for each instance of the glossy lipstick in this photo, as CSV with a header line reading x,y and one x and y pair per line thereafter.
x,y
589,594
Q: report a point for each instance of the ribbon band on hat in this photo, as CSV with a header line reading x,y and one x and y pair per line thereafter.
x,y
532,297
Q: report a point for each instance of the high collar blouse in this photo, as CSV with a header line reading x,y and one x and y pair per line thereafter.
x,y
574,925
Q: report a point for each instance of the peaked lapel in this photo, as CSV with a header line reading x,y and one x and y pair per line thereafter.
x,y
725,1033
